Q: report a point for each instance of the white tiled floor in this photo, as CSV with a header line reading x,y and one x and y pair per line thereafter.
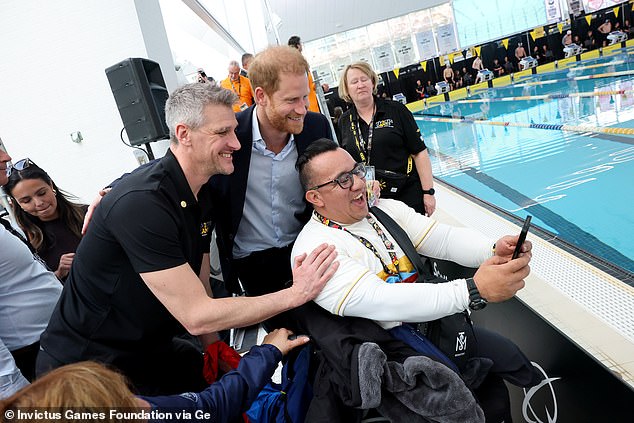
x,y
592,308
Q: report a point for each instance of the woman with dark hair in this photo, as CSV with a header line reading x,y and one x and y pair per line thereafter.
x,y
46,214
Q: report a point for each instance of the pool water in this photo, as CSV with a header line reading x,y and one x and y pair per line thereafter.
x,y
578,185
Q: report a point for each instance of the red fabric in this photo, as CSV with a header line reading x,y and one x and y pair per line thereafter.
x,y
219,359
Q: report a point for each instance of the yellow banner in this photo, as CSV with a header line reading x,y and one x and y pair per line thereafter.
x,y
588,19
538,33
424,65
478,48
396,72
505,43
616,11
560,27
441,60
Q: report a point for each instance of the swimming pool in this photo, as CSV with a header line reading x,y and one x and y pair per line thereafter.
x,y
575,184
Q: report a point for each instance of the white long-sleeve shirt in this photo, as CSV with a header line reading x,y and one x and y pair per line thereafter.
x,y
11,379
28,294
358,288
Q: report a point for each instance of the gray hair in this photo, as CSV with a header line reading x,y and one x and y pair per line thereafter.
x,y
187,103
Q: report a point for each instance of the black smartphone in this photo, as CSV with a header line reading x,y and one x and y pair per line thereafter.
x,y
522,238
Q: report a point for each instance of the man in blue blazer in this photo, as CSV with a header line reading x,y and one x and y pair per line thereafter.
x,y
264,207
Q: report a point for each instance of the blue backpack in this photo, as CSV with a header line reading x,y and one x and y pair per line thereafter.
x,y
286,402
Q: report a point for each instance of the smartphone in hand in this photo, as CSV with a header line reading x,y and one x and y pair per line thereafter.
x,y
522,238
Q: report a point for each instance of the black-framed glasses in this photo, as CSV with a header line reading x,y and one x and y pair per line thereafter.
x,y
345,180
20,165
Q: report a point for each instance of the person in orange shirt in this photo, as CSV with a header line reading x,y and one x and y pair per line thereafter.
x,y
239,85
313,104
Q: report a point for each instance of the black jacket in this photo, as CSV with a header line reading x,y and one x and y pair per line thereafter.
x,y
230,190
360,366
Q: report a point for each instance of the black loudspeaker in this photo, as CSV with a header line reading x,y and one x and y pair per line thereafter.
x,y
140,93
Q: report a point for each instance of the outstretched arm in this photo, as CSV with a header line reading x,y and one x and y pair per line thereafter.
x,y
226,399
188,302
102,192
355,291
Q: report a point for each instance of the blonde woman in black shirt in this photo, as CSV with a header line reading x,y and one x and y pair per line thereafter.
x,y
384,134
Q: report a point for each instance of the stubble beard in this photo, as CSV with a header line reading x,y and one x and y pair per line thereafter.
x,y
282,124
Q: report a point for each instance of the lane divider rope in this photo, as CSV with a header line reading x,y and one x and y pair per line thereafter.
x,y
597,65
546,126
543,97
576,78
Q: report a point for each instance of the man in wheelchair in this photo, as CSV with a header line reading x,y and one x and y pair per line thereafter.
x,y
366,324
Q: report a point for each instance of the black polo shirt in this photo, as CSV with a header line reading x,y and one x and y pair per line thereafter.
x,y
395,135
149,221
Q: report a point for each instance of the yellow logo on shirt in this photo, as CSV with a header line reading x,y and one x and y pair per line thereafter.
x,y
385,123
205,228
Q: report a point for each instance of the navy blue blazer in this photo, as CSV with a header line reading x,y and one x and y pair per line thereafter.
x,y
230,190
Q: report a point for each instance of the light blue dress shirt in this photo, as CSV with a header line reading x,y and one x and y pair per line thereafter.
x,y
274,195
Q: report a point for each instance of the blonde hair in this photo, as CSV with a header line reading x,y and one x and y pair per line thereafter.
x,y
83,387
266,67
343,82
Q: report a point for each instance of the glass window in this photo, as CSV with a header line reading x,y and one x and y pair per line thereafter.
x,y
399,27
420,21
441,15
358,38
399,41
379,33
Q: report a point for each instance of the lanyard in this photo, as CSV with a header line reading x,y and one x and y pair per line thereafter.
x,y
18,235
358,138
233,87
364,150
389,245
